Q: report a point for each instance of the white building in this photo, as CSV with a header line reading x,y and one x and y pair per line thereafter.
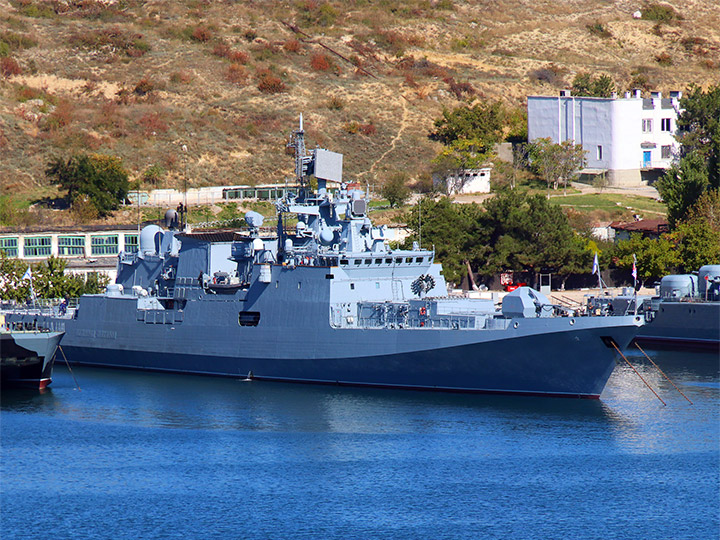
x,y
86,250
467,181
631,138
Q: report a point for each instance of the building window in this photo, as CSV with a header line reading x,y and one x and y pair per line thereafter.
x,y
665,124
599,152
71,245
131,243
104,245
38,246
647,125
666,152
9,246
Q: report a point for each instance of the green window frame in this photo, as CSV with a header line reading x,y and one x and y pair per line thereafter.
x,y
104,245
9,246
131,243
38,246
71,245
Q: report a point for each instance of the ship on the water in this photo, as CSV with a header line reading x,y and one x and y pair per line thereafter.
x,y
27,354
325,299
685,313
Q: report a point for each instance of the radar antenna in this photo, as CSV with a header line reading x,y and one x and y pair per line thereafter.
x,y
297,143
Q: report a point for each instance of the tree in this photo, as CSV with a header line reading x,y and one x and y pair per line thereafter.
x,y
100,178
698,235
584,84
513,232
682,185
699,128
450,229
48,280
469,134
395,190
556,162
527,233
655,257
480,125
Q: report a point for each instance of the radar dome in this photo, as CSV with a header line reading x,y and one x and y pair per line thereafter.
x,y
254,219
150,238
171,218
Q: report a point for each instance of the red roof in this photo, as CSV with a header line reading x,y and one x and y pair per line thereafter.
x,y
643,225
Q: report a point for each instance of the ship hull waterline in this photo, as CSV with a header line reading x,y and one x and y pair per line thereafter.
x,y
536,364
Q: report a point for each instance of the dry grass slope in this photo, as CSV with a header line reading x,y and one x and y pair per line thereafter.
x,y
139,79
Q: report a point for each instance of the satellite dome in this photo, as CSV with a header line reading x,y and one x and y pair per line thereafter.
x,y
150,238
254,219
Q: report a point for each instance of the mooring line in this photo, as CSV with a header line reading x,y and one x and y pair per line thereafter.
x,y
69,368
637,372
663,373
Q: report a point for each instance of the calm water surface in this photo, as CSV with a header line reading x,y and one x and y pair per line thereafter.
x,y
144,456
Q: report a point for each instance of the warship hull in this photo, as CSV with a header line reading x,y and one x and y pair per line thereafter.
x,y
553,357
27,357
683,325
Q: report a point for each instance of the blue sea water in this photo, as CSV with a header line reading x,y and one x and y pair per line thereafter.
x,y
145,456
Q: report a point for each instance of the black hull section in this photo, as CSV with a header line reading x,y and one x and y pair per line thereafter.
x,y
26,361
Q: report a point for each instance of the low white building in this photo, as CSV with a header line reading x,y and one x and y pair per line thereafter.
x,y
631,138
86,250
467,181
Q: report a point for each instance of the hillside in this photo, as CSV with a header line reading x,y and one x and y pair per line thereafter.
x,y
228,79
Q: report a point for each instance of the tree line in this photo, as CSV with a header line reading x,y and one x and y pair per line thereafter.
x,y
49,280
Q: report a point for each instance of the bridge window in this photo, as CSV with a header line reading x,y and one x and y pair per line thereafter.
x,y
368,261
378,261
418,259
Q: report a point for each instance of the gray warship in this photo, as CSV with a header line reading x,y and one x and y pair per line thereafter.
x,y
326,300
27,354
685,313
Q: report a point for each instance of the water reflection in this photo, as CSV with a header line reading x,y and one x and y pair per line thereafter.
x,y
628,414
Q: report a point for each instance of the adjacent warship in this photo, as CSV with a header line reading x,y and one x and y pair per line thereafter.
x,y
326,300
685,313
27,354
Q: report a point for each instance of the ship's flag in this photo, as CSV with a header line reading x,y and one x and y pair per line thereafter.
x,y
27,274
596,266
634,270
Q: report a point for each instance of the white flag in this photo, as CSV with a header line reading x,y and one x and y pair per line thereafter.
x,y
596,267
634,270
27,274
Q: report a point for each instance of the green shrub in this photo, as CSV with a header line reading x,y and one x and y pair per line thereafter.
x,y
599,30
154,174
664,59
660,12
17,41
